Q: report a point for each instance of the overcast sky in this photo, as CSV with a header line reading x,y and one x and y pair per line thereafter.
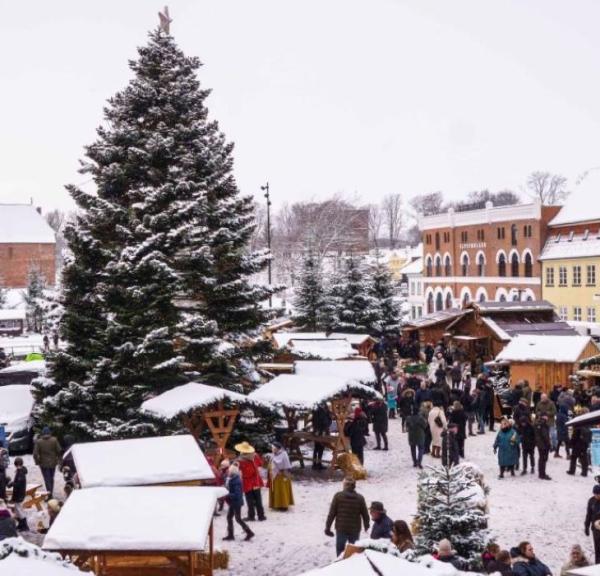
x,y
320,96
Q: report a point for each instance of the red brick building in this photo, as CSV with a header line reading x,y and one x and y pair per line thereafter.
x,y
490,254
26,240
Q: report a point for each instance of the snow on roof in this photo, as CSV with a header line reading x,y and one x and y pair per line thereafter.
x,y
282,339
38,366
23,224
15,565
577,246
329,349
352,371
354,339
156,518
16,403
414,267
593,570
12,314
493,326
140,461
186,397
438,317
589,419
525,348
510,306
22,345
356,565
306,393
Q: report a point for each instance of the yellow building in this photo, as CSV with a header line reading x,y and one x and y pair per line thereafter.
x,y
571,268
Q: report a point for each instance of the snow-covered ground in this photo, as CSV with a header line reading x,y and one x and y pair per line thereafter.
x,y
549,514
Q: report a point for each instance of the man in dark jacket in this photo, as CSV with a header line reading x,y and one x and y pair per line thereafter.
x,y
347,508
355,432
527,564
423,394
580,442
382,523
592,520
527,437
321,421
416,426
521,410
379,417
47,455
19,493
543,443
450,447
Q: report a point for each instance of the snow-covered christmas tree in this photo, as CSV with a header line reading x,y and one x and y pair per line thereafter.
x,y
451,504
310,295
382,290
34,298
157,286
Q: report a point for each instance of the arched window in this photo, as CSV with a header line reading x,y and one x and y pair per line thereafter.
x,y
529,298
448,300
482,297
502,298
465,265
438,265
429,267
439,302
515,297
447,266
466,299
437,240
514,266
528,265
430,303
513,235
480,265
502,265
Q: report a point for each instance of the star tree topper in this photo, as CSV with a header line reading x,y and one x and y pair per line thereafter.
x,y
165,20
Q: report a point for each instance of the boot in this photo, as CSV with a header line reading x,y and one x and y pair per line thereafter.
x,y
229,537
524,472
249,536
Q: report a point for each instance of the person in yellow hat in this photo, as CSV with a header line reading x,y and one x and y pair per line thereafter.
x,y
250,463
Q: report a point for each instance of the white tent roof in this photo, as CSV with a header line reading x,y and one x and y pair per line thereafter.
x,y
525,348
15,565
593,570
140,461
18,314
326,349
188,397
353,371
156,518
38,366
16,403
305,393
356,565
23,224
589,419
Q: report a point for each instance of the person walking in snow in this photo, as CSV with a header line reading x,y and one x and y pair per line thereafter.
x,y
379,417
416,426
562,433
321,421
47,455
580,443
249,464
236,501
354,431
506,446
545,407
406,403
527,438
437,424
450,446
544,444
348,508
281,496
458,417
19,486
382,523
592,520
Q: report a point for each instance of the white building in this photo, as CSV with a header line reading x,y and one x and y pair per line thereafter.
x,y
414,274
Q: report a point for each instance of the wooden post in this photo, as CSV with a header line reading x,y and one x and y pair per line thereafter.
x,y
211,548
220,422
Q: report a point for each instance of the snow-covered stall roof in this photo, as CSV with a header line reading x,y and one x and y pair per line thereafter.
x,y
16,403
305,393
140,462
354,339
593,570
23,224
154,518
12,314
414,267
15,565
589,419
281,339
357,371
37,366
186,397
329,349
533,348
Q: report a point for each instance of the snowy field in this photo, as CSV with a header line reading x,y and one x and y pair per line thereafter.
x,y
550,514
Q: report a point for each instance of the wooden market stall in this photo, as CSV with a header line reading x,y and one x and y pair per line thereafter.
x,y
201,407
133,530
546,360
163,460
297,395
589,369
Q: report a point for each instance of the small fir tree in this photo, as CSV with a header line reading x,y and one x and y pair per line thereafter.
x,y
382,290
3,293
310,295
34,299
449,506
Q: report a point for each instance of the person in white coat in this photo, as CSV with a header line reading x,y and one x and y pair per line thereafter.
x,y
437,424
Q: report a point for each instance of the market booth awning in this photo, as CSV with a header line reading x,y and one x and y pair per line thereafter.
x,y
108,528
353,371
589,419
141,462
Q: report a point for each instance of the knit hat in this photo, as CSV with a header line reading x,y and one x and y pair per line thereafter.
x,y
46,431
377,507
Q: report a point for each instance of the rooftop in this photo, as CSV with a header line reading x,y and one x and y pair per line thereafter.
x,y
535,348
414,267
533,305
23,224
438,317
562,246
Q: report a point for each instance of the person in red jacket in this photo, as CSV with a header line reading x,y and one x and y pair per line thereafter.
x,y
250,462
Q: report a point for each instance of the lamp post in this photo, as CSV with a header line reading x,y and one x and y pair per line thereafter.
x,y
265,189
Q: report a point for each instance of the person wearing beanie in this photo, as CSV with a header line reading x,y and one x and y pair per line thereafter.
x,y
347,508
47,454
382,523
236,501
592,520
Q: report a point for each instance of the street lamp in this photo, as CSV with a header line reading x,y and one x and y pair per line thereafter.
x,y
265,189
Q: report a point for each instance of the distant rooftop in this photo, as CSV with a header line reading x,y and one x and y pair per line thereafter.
x,y
489,306
23,224
561,246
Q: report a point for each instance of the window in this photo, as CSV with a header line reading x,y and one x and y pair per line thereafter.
x,y
502,298
448,301
514,266
562,276
527,231
480,265
437,240
464,236
427,238
482,297
576,275
501,234
562,313
513,235
10,252
446,237
430,303
528,265
577,313
502,265
480,235
591,314
412,288
515,297
591,275
419,311
447,266
549,276
466,299
465,265
429,267
439,302
438,265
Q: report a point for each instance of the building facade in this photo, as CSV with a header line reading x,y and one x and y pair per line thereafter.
x,y
490,254
570,268
413,271
26,241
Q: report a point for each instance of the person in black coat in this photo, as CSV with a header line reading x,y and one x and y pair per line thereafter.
x,y
450,446
406,402
527,564
354,430
580,442
429,352
526,433
235,499
521,410
458,417
544,444
500,564
379,417
19,493
592,520
423,394
321,421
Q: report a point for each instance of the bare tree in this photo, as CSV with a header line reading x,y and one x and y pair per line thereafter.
x,y
550,188
428,204
392,216
56,220
375,223
258,240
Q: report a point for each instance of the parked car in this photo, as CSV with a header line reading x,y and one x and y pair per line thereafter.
x,y
16,405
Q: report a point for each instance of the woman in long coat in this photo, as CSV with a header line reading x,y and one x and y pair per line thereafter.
x,y
437,424
507,447
281,496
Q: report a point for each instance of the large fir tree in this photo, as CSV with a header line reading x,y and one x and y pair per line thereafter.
x,y
310,295
157,283
382,290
